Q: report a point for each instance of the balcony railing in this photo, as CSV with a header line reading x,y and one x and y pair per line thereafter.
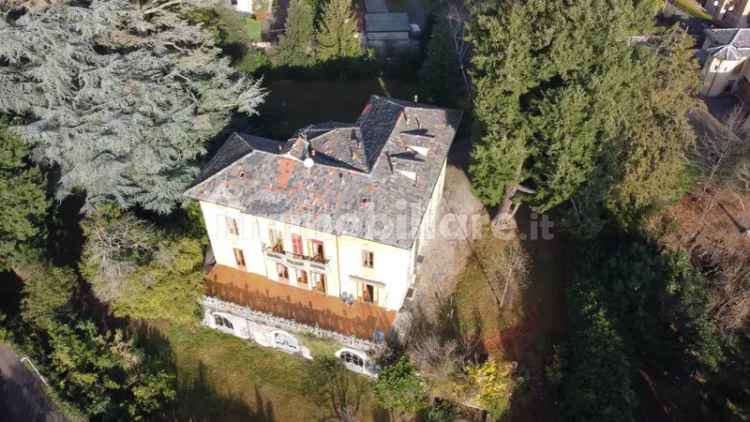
x,y
292,258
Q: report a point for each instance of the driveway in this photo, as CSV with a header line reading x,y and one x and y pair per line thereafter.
x,y
22,396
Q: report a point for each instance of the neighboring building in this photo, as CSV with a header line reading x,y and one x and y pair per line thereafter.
x,y
723,55
387,27
324,230
385,30
729,13
251,6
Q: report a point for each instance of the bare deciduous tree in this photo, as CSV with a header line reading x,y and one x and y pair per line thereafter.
x,y
115,244
506,268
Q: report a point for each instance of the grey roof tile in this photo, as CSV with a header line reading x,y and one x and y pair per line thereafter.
x,y
360,180
727,44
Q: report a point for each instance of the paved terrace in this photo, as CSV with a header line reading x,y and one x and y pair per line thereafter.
x,y
308,307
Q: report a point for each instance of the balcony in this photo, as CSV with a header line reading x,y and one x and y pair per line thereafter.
x,y
308,307
316,263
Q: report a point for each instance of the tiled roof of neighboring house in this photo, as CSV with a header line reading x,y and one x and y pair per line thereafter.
x,y
386,22
727,43
376,6
363,176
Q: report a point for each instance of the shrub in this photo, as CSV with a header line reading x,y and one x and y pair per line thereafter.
x,y
494,385
401,389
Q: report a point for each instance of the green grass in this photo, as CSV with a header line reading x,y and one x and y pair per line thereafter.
x,y
292,105
225,378
530,325
253,28
319,346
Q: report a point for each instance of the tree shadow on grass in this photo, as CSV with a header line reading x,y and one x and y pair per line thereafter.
x,y
543,319
199,401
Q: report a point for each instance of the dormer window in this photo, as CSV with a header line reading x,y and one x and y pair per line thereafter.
x,y
408,174
419,150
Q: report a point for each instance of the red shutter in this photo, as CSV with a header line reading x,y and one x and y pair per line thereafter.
x,y
297,244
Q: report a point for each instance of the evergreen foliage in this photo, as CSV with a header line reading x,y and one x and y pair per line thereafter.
x,y
104,374
142,272
23,203
399,388
107,375
596,382
631,303
571,106
440,77
47,293
337,36
121,96
295,44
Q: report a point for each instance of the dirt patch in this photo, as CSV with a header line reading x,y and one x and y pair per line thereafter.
x,y
709,219
445,256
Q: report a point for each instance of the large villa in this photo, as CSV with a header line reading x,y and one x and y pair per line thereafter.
x,y
321,234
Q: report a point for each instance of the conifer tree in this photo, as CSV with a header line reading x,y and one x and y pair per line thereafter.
x,y
23,204
564,109
337,37
121,95
295,44
440,78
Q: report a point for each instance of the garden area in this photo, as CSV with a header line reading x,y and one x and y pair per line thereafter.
x,y
221,377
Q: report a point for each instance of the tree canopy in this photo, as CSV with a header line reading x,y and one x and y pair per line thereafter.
x,y
122,96
573,109
141,271
440,76
23,203
294,45
337,36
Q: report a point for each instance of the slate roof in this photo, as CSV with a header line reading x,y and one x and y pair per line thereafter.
x,y
386,22
376,6
728,43
380,171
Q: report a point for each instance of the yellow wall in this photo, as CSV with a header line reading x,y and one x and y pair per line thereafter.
x,y
394,268
720,75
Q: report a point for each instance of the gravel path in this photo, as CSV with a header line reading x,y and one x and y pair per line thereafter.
x,y
446,255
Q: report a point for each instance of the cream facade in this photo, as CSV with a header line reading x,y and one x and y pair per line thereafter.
x,y
731,13
720,75
351,268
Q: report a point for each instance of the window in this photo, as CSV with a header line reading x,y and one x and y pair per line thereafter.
x,y
232,226
277,242
368,292
317,250
234,2
283,272
352,359
239,258
368,259
220,321
319,282
302,278
297,245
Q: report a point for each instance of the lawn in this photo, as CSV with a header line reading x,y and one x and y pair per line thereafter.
x,y
292,105
530,325
222,377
